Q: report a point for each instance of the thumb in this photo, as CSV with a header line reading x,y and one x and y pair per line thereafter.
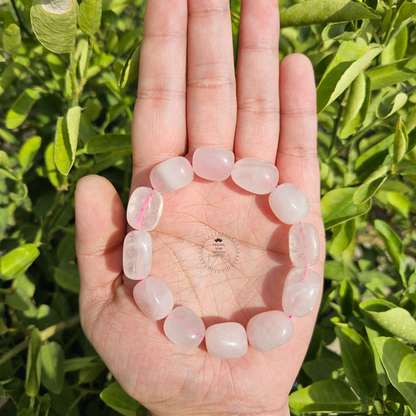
x,y
100,231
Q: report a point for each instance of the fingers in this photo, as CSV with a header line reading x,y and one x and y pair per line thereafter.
x,y
211,98
297,154
159,126
100,227
258,80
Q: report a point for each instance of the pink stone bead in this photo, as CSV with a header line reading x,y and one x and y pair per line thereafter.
x,y
184,327
153,297
257,176
144,208
212,163
171,175
303,244
301,292
269,330
289,203
137,255
227,340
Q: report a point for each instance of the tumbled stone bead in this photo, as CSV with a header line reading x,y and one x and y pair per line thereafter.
x,y
171,175
301,292
137,255
153,298
303,244
227,340
184,327
269,330
212,163
144,208
257,176
289,203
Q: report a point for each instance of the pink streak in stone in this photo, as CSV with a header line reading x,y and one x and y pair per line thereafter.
x,y
146,203
186,326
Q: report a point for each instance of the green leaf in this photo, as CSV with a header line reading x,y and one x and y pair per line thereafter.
x,y
411,120
78,363
357,105
374,156
371,185
396,49
386,75
400,202
349,61
53,366
338,206
20,109
346,298
66,140
12,39
407,11
334,270
390,103
56,178
400,364
326,396
401,141
393,244
397,321
130,69
325,11
89,17
17,261
10,74
358,362
321,368
33,369
67,276
115,397
90,373
108,143
28,152
55,24
342,236
21,301
44,406
340,31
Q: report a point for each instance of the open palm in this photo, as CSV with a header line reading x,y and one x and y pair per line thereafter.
x,y
188,98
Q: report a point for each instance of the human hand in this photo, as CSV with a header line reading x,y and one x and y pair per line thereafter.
x,y
188,98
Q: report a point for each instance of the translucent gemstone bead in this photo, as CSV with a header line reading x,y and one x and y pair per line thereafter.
x,y
269,330
137,255
289,203
153,297
227,340
171,175
303,244
212,163
144,208
301,292
184,327
255,175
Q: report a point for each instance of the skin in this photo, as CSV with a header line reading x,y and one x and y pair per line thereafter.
x,y
188,97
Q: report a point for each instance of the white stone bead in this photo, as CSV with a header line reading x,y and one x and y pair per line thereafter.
x,y
289,203
171,175
184,327
301,292
137,255
212,163
257,176
227,340
304,244
144,208
153,297
269,330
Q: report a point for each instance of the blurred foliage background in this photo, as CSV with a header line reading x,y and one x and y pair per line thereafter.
x,y
68,79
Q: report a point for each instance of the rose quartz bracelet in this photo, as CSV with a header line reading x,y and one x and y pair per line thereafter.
x,y
265,331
